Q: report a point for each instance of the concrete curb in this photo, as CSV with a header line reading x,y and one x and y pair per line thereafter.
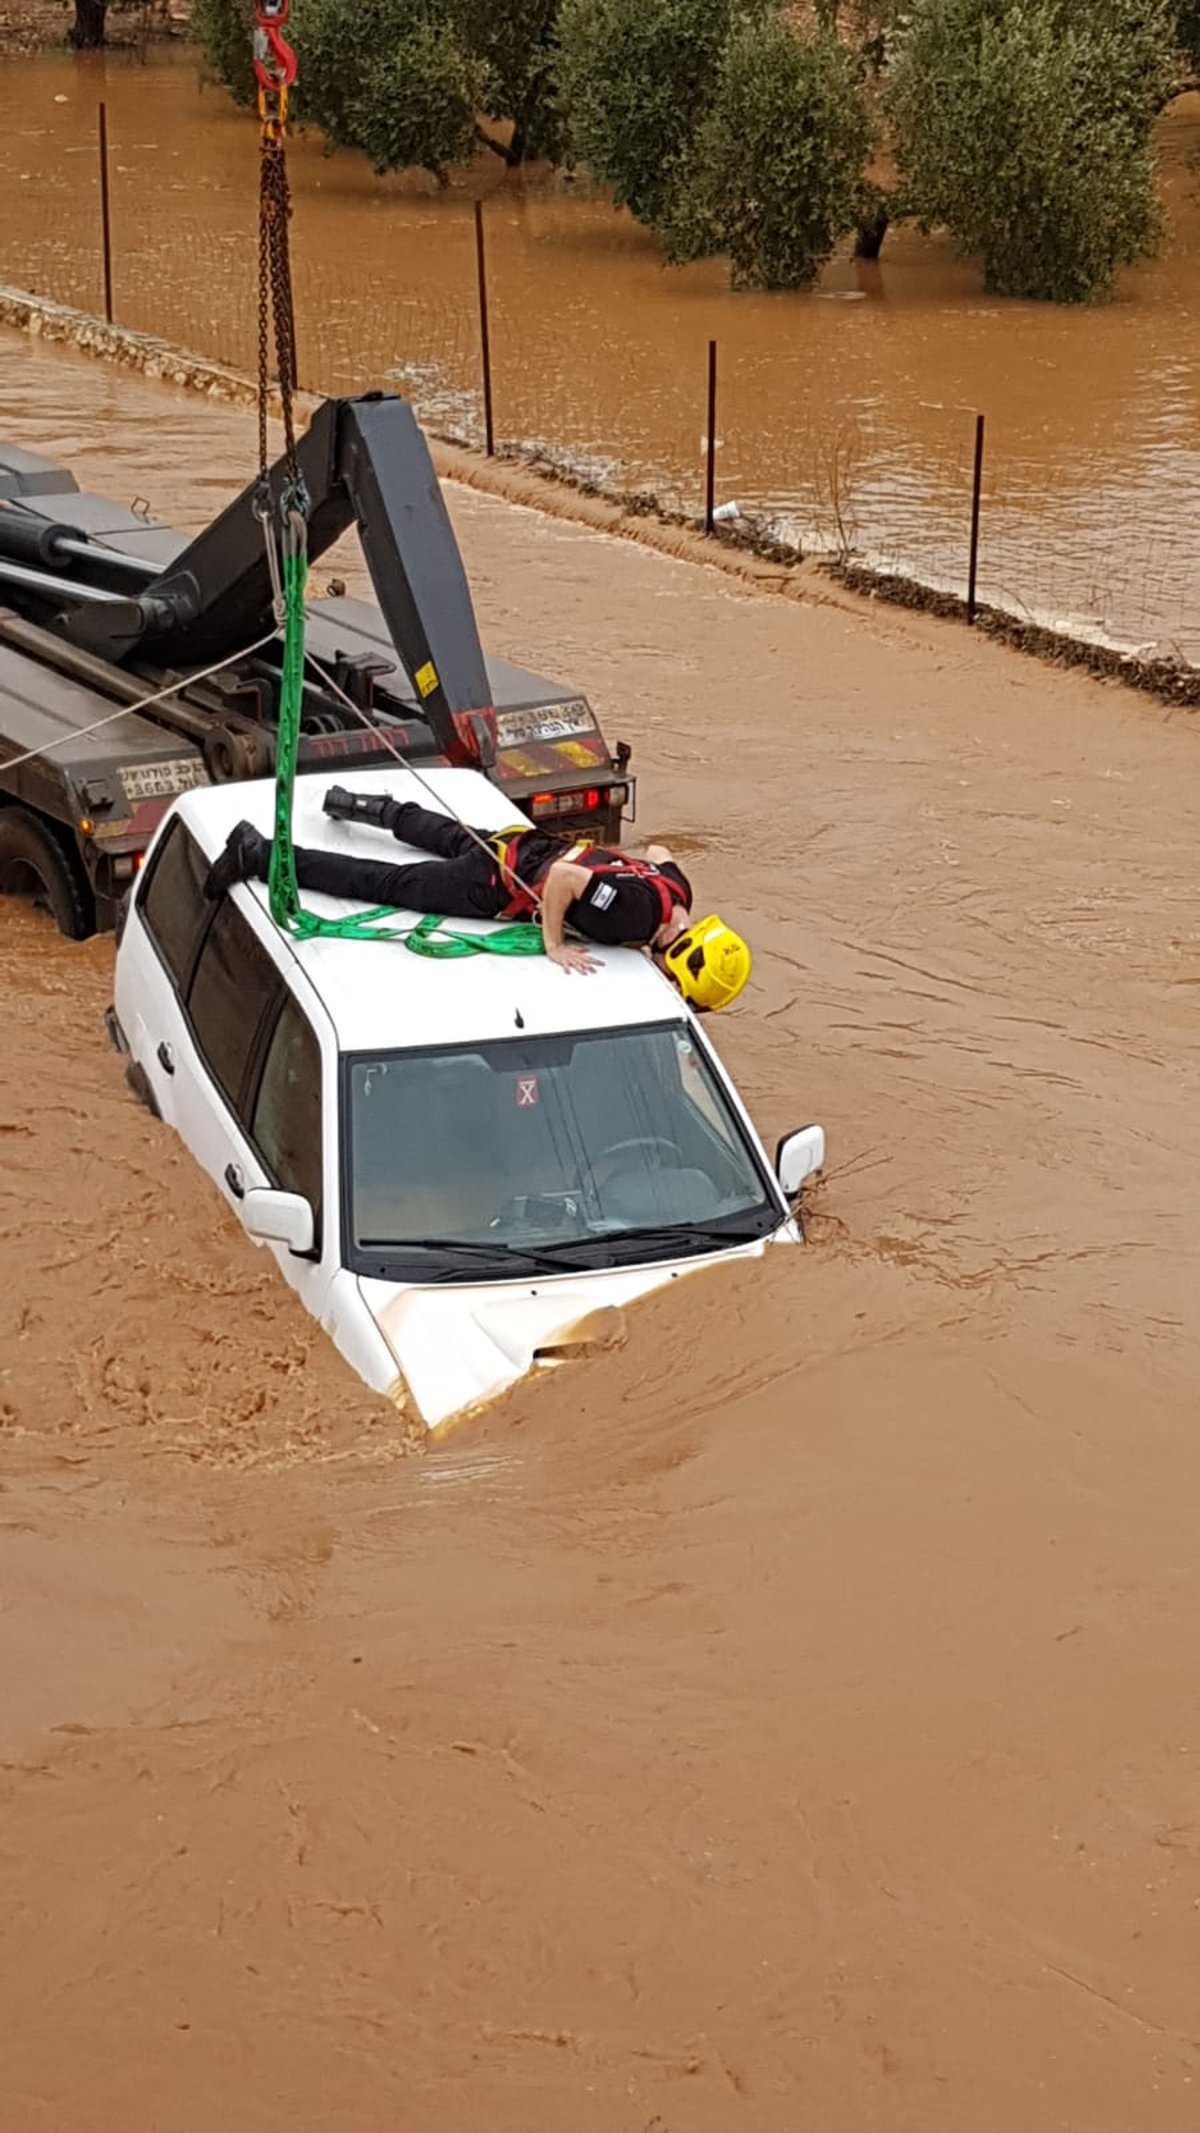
x,y
46,321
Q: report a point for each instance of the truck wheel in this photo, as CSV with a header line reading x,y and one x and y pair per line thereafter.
x,y
33,863
231,754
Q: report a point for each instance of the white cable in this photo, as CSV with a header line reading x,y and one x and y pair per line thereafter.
x,y
380,734
79,733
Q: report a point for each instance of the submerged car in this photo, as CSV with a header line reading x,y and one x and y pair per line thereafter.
x,y
456,1163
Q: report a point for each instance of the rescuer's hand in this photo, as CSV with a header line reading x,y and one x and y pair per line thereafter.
x,y
563,883
569,958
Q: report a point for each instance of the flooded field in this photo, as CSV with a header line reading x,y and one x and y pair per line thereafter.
x,y
845,416
787,1720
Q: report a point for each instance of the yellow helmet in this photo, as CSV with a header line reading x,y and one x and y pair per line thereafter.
x,y
709,963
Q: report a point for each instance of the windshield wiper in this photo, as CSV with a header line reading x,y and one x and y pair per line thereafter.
x,y
685,1235
466,1250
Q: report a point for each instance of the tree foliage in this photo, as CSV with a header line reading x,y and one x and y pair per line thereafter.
x,y
722,127
780,157
637,77
224,30
1188,30
389,77
864,24
516,42
405,81
1023,127
785,154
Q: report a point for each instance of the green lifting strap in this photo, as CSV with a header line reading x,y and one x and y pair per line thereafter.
x,y
430,935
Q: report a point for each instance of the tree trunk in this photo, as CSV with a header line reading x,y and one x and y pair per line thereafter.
x,y
485,141
871,233
87,30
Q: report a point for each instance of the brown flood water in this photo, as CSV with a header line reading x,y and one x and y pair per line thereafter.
x,y
852,405
787,1720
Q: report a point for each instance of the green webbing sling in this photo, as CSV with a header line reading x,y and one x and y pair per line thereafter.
x,y
430,936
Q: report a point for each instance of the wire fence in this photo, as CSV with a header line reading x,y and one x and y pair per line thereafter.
x,y
883,484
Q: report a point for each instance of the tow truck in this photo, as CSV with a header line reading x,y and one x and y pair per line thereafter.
x,y
103,606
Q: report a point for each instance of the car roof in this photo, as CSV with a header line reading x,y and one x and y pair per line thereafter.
x,y
380,995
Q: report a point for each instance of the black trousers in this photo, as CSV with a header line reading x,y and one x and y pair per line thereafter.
x,y
462,882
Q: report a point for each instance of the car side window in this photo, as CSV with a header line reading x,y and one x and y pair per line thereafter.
x,y
172,905
234,986
285,1124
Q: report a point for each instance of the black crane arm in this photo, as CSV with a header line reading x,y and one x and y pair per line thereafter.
x,y
364,462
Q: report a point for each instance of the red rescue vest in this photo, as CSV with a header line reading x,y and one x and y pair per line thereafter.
x,y
523,897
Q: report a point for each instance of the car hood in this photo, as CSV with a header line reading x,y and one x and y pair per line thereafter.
x,y
460,1345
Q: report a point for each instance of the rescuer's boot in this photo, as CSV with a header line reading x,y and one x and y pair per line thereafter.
x,y
374,808
246,857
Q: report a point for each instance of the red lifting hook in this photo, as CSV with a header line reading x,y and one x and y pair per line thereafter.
x,y
274,59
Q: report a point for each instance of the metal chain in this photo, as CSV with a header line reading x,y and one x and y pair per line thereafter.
x,y
275,283
264,356
275,72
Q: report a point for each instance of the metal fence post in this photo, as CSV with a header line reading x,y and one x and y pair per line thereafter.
x,y
485,344
976,491
710,472
105,226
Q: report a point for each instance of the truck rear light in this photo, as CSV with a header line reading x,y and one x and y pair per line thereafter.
x,y
577,803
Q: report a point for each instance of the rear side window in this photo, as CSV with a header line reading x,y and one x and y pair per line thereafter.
x,y
172,903
235,985
285,1126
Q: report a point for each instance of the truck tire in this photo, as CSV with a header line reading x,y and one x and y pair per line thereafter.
x,y
34,863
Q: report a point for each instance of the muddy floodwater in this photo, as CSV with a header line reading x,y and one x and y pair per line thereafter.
x,y
844,416
786,1720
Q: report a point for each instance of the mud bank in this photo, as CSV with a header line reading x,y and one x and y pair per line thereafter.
x,y
788,1720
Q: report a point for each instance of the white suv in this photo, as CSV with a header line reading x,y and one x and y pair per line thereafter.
x,y
454,1162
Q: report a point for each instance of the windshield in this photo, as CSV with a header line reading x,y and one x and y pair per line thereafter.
x,y
545,1153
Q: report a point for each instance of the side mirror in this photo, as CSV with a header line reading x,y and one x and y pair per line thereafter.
x,y
798,1156
278,1218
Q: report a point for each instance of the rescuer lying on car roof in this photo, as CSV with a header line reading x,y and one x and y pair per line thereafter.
x,y
607,896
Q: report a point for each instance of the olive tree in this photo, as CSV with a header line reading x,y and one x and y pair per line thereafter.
x,y
780,157
637,77
1024,128
389,77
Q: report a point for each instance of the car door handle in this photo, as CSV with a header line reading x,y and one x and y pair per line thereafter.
x,y
235,1181
166,1058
